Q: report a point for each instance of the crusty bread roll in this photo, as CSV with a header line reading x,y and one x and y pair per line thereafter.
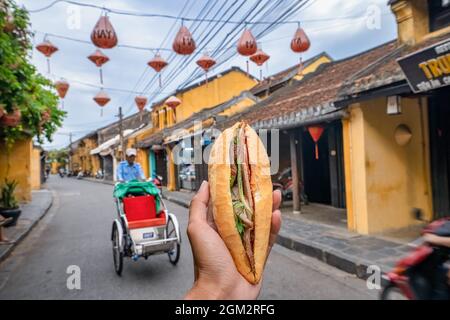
x,y
241,197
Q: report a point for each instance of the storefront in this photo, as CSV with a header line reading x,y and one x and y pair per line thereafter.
x,y
428,74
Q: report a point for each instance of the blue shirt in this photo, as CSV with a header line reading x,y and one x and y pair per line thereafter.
x,y
127,172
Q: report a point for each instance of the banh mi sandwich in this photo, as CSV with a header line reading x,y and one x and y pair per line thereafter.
x,y
241,197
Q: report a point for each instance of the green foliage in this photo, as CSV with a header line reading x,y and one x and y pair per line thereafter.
x,y
21,86
8,200
59,156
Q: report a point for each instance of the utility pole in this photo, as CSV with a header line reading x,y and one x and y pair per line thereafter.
x,y
122,157
295,176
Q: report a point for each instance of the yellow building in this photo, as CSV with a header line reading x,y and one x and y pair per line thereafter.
x,y
16,165
222,96
385,117
395,138
80,156
195,98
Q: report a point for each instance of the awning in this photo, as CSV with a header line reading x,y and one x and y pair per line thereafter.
x,y
107,147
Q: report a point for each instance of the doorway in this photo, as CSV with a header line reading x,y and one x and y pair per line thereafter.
x,y
439,117
323,177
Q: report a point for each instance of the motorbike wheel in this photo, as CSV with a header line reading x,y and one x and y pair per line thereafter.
x,y
392,292
174,254
117,254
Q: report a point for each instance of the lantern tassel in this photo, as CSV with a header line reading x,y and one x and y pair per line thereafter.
x,y
159,80
247,66
300,67
48,65
101,76
260,74
101,112
317,152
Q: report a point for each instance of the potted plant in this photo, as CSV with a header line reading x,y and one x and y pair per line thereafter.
x,y
9,206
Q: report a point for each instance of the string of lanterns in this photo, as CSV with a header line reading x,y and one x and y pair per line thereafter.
x,y
103,36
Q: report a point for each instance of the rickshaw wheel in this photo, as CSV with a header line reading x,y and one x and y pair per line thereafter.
x,y
174,254
117,255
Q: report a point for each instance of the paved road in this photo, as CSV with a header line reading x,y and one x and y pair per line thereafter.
x,y
76,231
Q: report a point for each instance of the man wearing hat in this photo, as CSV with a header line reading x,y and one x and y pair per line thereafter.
x,y
129,170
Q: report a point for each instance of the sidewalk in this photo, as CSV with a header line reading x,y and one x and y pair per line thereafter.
x,y
334,245
31,214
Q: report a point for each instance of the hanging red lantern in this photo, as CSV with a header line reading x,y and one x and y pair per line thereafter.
x,y
99,59
260,57
11,119
183,44
247,44
45,117
46,48
104,36
62,86
173,102
141,101
206,63
102,99
316,133
158,63
300,43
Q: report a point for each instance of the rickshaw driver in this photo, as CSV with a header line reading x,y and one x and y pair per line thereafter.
x,y
128,170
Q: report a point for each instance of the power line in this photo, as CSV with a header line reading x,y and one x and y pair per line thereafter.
x,y
155,15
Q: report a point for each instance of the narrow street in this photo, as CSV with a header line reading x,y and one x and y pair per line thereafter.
x,y
76,231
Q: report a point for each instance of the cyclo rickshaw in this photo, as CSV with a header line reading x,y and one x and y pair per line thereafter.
x,y
144,226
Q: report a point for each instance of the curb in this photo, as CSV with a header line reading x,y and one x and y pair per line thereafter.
x,y
326,255
22,236
175,200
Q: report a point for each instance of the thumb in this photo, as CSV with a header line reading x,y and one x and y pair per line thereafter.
x,y
199,204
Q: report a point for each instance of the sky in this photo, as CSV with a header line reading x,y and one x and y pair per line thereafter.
x,y
339,27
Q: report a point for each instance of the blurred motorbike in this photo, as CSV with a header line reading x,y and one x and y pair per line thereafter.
x,y
285,184
422,275
157,181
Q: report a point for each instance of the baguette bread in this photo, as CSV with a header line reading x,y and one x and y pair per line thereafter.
x,y
241,197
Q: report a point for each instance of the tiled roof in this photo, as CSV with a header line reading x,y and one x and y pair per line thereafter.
x,y
384,71
284,76
199,116
318,89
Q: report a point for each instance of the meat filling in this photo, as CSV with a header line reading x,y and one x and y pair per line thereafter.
x,y
242,198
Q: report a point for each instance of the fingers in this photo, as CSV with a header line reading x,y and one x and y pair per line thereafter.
x,y
199,204
276,200
274,229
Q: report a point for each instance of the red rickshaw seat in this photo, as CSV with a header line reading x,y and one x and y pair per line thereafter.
x,y
141,212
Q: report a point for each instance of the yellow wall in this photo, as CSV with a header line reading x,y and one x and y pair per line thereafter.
x,y
208,95
313,67
387,180
17,167
82,159
412,20
238,107
36,169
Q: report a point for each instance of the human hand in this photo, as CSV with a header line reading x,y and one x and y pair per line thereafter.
x,y
216,276
432,239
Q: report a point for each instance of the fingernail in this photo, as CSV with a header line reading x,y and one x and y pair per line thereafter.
x,y
203,185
